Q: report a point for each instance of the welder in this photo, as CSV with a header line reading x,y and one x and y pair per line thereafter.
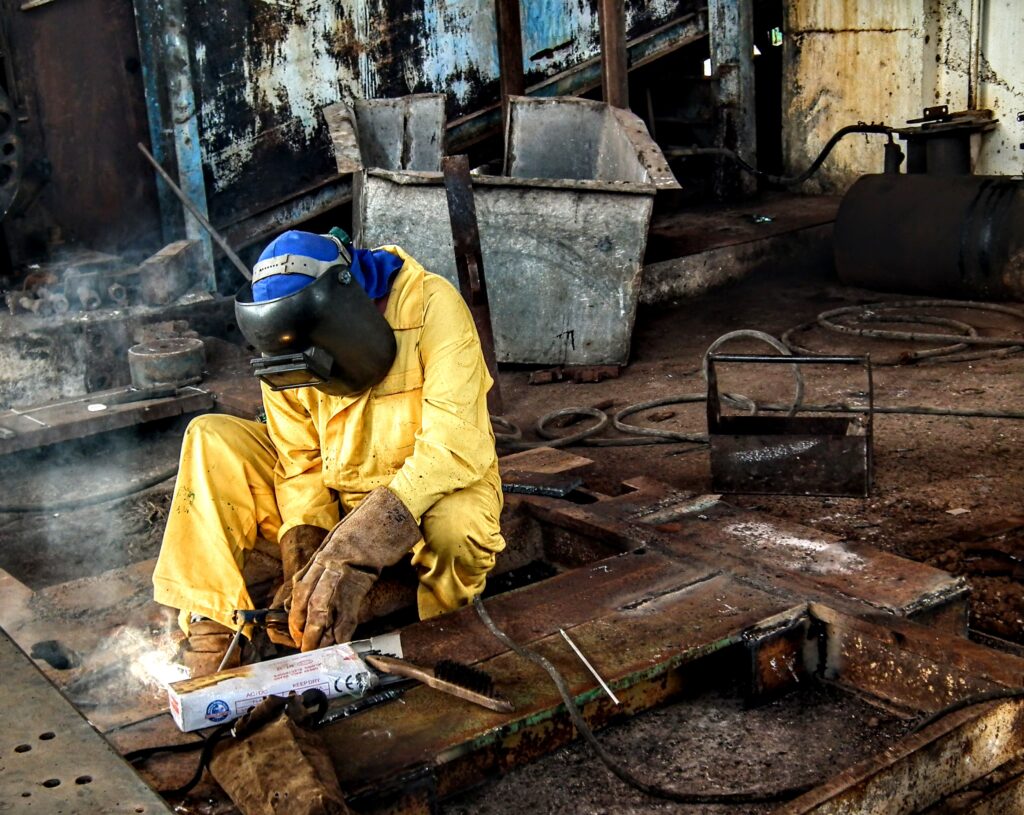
x,y
377,445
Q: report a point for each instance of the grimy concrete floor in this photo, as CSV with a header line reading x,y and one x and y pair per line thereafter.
x,y
947,491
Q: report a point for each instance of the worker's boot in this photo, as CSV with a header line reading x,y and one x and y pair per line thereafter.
x,y
298,545
330,590
208,642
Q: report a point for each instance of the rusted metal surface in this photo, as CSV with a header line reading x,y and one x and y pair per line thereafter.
x,y
924,768
636,636
469,265
167,361
793,455
79,175
761,548
54,761
961,236
614,70
961,662
508,23
261,77
73,419
731,29
569,219
847,62
11,160
776,651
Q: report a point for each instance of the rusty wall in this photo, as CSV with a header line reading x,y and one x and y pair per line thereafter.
x,y
263,69
871,60
73,77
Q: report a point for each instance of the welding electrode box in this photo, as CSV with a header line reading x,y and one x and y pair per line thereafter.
x,y
221,697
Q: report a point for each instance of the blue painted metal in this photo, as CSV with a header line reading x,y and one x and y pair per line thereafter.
x,y
147,20
585,76
182,103
244,83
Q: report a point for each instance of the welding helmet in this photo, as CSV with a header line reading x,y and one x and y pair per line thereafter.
x,y
311,321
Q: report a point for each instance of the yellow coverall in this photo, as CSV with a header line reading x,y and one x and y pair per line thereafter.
x,y
423,432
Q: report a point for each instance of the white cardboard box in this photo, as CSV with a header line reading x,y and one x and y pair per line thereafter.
x,y
221,697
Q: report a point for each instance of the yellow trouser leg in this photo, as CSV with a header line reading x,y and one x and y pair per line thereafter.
x,y
224,495
461,536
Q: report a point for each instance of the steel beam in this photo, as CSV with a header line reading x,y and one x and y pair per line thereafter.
x,y
510,51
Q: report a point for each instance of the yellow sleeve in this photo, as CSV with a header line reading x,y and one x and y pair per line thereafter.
x,y
302,497
454,445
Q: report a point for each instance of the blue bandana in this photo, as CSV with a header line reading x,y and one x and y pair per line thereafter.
x,y
375,270
295,259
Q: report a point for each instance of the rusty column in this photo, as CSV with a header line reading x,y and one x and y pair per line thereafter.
x,y
614,59
510,52
470,264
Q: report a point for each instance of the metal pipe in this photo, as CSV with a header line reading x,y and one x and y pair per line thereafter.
x,y
223,244
974,54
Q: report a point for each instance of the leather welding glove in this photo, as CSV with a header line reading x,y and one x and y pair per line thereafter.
x,y
208,642
328,593
298,545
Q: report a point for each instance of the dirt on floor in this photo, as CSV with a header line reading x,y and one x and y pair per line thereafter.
x,y
947,490
707,745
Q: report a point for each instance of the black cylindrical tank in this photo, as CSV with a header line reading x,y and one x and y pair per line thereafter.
x,y
951,236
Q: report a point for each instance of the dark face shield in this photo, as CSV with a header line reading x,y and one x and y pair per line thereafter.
x,y
328,335
310,368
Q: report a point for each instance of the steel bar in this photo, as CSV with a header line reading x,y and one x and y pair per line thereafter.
x,y
223,244
591,668
510,52
469,264
614,55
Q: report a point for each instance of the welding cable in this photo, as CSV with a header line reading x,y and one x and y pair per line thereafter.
x,y
508,436
102,498
782,180
654,790
964,346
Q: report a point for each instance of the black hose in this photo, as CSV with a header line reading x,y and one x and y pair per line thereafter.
x,y
646,787
782,180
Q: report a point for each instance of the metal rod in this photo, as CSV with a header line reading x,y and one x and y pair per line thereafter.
x,y
223,244
235,640
510,52
469,263
789,360
614,56
590,667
